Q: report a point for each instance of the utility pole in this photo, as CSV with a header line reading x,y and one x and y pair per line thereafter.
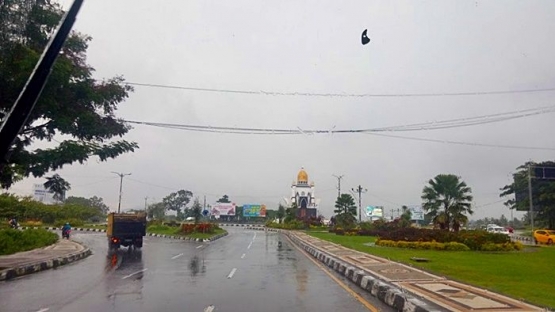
x,y
338,184
146,206
359,190
531,202
121,175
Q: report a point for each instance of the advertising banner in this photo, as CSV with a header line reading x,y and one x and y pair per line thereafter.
x,y
374,212
254,210
221,209
417,213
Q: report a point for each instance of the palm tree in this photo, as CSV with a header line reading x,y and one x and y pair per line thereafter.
x,y
447,201
58,186
346,210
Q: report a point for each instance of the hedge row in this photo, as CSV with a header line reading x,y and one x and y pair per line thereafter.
x,y
12,241
450,246
473,239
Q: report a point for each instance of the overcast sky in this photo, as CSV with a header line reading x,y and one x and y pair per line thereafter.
x,y
314,46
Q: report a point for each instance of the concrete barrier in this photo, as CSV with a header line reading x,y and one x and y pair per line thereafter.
x,y
388,293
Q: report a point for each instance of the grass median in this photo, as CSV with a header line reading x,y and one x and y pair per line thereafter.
x,y
12,241
527,275
169,230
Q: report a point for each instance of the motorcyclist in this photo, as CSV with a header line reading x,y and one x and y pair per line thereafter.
x,y
13,223
65,229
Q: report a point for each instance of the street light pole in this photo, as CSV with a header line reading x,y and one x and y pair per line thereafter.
x,y
359,190
531,202
121,175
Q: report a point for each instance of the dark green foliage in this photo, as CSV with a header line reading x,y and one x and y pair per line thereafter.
x,y
72,102
12,241
446,199
177,201
543,194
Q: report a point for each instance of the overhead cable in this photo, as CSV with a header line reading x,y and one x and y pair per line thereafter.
x,y
342,94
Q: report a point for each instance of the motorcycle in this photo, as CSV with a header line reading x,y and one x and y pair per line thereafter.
x,y
65,233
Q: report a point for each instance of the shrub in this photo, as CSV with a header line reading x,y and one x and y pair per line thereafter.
x,y
510,246
73,222
12,241
450,246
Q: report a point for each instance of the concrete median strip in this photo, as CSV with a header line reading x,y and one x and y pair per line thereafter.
x,y
402,287
33,261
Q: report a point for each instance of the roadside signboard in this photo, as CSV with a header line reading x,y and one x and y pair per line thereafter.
x,y
417,213
222,209
374,212
254,210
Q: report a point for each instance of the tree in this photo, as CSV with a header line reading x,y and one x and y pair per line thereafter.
x,y
405,217
346,210
280,213
196,210
177,200
447,201
543,194
224,200
72,103
58,186
291,213
93,202
156,211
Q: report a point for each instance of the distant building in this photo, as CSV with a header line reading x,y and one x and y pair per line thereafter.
x,y
302,193
40,193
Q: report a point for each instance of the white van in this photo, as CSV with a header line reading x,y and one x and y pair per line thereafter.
x,y
494,228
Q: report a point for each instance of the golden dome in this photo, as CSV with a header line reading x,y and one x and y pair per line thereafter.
x,y
302,177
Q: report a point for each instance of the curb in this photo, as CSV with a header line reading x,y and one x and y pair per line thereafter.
x,y
42,265
213,238
57,229
389,294
251,227
147,234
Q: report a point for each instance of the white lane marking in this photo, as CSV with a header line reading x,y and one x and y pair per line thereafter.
x,y
200,246
43,310
127,276
209,308
243,256
249,247
232,272
254,237
177,256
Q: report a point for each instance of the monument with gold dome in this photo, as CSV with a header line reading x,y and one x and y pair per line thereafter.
x,y
302,193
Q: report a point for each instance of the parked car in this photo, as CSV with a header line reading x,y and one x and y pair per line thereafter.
x,y
544,237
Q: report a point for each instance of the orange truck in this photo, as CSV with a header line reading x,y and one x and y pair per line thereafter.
x,y
126,229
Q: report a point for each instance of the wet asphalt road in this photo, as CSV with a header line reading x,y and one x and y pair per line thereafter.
x,y
245,271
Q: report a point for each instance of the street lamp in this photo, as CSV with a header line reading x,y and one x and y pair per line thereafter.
x,y
121,175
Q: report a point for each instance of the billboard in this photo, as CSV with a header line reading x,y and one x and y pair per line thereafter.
x,y
254,210
40,193
222,209
416,212
374,212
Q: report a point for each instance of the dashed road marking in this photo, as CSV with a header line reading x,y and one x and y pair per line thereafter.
x,y
177,256
243,256
43,310
232,273
127,276
250,244
200,246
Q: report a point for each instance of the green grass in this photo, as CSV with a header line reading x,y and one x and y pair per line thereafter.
x,y
94,226
527,275
168,230
206,235
12,241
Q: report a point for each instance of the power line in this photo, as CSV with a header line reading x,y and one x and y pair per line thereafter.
x,y
343,94
435,125
464,143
